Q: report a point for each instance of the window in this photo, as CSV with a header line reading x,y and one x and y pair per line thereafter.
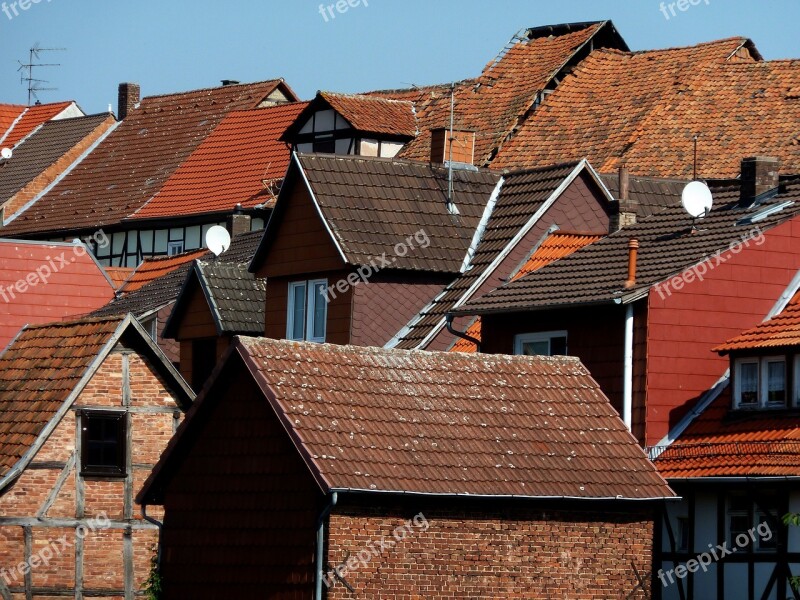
x,y
151,327
683,534
745,515
174,248
103,441
760,382
548,343
307,310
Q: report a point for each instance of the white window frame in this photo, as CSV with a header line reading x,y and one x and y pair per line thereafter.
x,y
762,366
176,245
308,312
540,336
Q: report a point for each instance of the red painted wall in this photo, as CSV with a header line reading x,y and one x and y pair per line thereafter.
x,y
683,327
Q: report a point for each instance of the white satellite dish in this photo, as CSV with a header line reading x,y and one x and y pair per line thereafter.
x,y
697,199
5,155
218,240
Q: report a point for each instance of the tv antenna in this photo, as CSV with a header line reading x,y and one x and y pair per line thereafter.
x,y
26,71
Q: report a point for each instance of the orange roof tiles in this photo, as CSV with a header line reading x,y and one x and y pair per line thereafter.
x,y
780,331
374,115
31,118
644,108
74,287
498,101
236,164
473,331
37,374
720,443
158,266
119,275
446,423
130,166
8,114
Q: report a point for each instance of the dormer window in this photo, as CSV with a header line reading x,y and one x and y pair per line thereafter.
x,y
760,382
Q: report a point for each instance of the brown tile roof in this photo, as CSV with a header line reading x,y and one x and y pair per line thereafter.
x,y
644,109
667,247
498,101
522,194
781,331
158,266
369,113
372,204
162,290
130,166
648,194
377,420
38,372
724,443
29,118
238,163
44,148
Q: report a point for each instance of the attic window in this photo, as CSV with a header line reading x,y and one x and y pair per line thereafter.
x,y
103,443
760,382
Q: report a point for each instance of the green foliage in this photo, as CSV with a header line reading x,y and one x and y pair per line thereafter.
x,y
793,520
152,586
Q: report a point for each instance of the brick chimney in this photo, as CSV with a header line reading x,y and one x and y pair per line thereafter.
x,y
626,208
760,174
463,146
129,96
238,222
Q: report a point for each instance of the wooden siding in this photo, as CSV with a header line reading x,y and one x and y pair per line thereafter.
x,y
241,509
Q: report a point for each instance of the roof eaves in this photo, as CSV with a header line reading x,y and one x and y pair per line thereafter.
x,y
208,293
505,496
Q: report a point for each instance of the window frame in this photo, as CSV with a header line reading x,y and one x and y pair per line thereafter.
x,y
119,470
762,387
309,311
541,336
764,375
737,395
175,245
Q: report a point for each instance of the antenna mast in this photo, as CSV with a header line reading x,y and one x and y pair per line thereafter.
x,y
450,149
26,71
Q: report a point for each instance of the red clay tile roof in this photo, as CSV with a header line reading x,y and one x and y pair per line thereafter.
x,y
37,374
237,164
28,119
8,114
119,275
725,443
379,420
374,115
597,273
499,100
158,266
644,108
130,166
74,288
780,331
557,245
372,204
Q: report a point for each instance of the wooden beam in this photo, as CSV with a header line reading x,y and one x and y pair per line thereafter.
x,y
34,523
28,537
127,552
62,478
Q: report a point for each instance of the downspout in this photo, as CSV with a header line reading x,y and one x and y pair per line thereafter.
x,y
449,324
627,384
160,525
321,545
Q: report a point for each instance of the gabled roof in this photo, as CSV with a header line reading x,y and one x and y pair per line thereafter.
x,y
142,301
367,114
644,109
68,282
238,163
377,421
119,275
44,370
130,166
27,119
781,331
236,298
524,197
156,267
667,247
44,147
370,205
498,101
720,443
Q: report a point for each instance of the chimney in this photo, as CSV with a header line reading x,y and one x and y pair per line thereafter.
x,y
626,208
633,251
463,146
129,96
227,82
238,222
760,174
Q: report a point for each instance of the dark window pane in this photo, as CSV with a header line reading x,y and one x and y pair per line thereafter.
x,y
104,439
558,346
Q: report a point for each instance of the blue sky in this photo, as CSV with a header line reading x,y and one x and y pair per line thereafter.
x,y
175,45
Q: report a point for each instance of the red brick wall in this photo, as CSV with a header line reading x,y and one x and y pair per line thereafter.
x,y
686,324
103,565
514,553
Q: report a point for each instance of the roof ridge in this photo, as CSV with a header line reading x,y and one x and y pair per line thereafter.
x,y
385,159
360,96
422,88
528,170
78,321
215,88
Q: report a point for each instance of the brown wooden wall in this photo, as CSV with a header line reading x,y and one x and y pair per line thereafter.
x,y
241,509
